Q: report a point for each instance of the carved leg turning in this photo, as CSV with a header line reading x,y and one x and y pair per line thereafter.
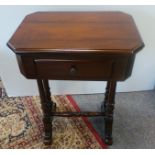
x,y
48,95
103,105
46,104
108,109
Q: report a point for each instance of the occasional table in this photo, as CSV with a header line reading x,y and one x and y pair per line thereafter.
x,y
95,46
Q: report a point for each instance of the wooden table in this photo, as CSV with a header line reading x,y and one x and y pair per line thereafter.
x,y
98,46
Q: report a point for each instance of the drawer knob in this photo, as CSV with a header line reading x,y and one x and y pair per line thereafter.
x,y
73,70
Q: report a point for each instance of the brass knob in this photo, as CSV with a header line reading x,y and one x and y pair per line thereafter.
x,y
73,70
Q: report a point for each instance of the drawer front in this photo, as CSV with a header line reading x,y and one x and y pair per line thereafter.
x,y
74,69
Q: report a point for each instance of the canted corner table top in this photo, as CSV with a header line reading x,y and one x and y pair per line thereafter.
x,y
76,32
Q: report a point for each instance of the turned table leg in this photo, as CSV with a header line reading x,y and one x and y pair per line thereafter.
x,y
108,109
103,105
46,104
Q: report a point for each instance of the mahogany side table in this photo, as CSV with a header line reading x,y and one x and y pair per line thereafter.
x,y
98,46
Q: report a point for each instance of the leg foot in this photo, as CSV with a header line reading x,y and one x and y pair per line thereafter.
x,y
108,141
47,136
108,130
47,139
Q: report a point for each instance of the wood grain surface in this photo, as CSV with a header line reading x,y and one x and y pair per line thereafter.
x,y
76,32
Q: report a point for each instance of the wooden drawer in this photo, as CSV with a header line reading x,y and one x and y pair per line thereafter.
x,y
73,69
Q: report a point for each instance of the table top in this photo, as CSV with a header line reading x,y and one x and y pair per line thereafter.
x,y
76,32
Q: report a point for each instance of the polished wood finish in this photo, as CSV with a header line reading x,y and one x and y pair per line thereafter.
x,y
77,114
109,108
70,69
76,46
65,32
89,66
47,109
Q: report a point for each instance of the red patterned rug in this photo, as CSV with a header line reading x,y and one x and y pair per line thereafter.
x,y
21,124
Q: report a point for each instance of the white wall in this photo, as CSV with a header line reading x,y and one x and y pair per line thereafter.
x,y
143,76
